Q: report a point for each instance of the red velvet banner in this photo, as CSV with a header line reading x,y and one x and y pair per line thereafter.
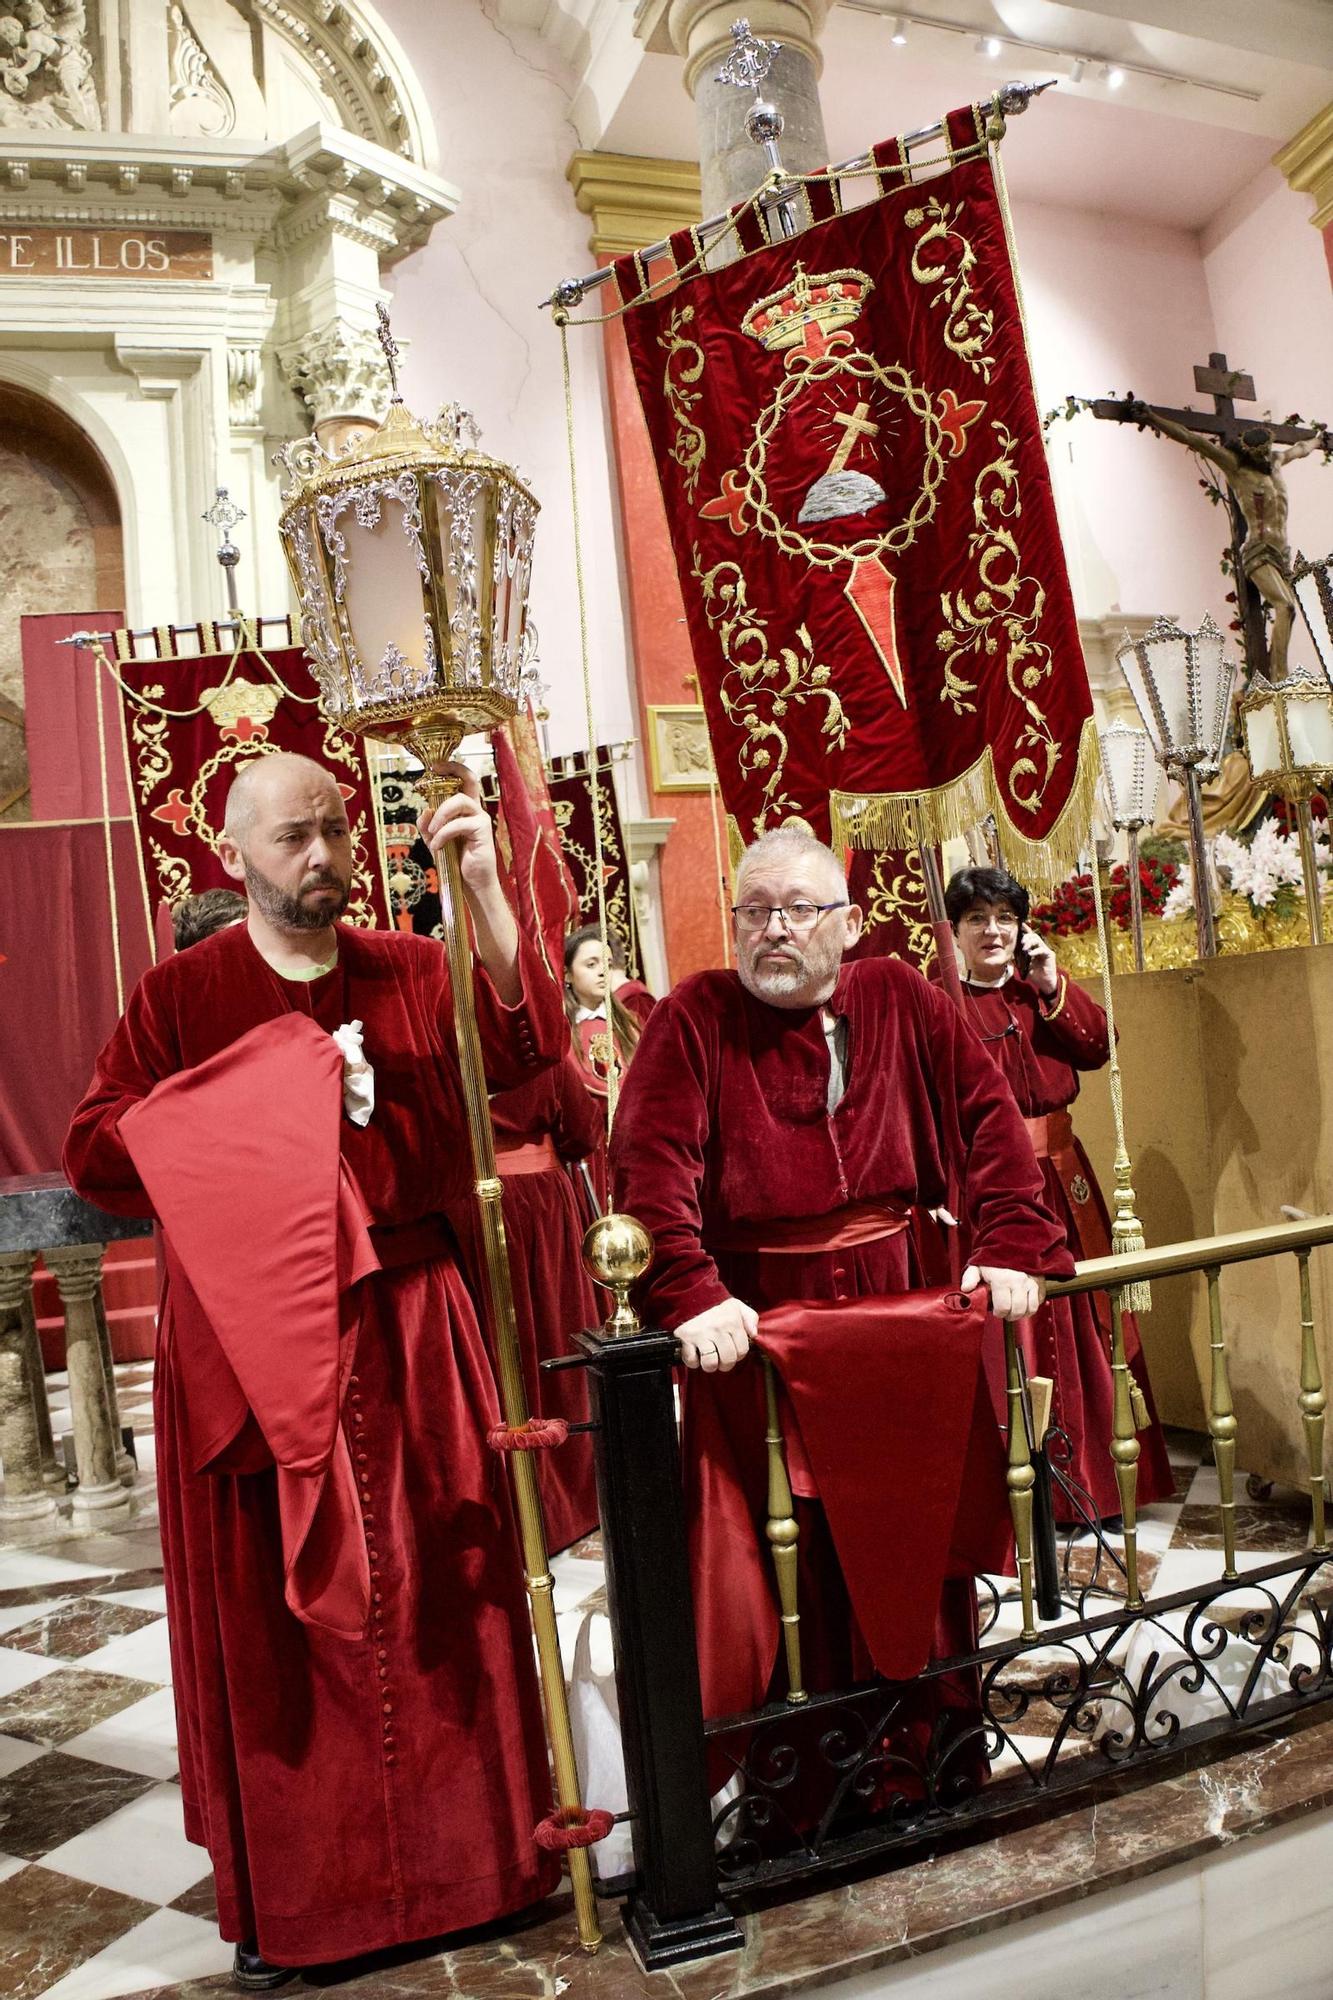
x,y
58,1001
852,465
191,723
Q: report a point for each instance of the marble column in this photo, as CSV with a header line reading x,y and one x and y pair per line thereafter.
x,y
27,1511
731,165
100,1500
1307,163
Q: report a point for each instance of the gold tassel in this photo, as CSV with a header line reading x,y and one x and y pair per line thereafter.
x,y
1138,1403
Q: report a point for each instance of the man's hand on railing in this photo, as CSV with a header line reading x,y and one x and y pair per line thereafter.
x,y
1013,1295
717,1339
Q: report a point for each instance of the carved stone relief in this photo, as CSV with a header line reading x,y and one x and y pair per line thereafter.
x,y
47,75
201,105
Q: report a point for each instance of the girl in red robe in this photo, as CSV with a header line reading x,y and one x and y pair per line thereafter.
x,y
1043,1030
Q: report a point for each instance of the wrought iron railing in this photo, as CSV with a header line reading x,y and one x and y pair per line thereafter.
x,y
1114,1681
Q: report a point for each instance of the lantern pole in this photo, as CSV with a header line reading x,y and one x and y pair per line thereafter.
x,y
434,748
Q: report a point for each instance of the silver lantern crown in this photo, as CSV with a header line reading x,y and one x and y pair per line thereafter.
x,y
1182,684
411,552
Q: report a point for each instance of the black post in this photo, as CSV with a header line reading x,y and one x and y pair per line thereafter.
x,y
674,1913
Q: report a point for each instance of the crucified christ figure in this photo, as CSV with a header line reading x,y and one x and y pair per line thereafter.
x,y
1252,467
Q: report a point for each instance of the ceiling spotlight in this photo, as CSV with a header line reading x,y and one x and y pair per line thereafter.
x,y
898,31
1114,78
1076,69
989,45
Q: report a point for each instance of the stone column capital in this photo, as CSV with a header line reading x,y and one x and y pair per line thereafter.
x,y
338,372
15,1278
700,30
77,1270
1306,162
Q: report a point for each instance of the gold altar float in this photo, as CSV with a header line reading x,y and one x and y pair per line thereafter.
x,y
1170,945
411,553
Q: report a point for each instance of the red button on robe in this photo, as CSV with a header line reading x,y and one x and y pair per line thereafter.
x,y
553,1296
342,1818
724,1124
1042,1049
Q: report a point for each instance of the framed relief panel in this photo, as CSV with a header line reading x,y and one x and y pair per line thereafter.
x,y
678,746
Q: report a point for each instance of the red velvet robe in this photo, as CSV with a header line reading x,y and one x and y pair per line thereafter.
x,y
352,1794
723,1123
553,1295
1054,1041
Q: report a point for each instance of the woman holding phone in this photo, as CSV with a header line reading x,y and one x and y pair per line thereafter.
x,y
1043,1030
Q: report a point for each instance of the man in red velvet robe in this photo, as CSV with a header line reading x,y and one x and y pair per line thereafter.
x,y
784,1132
361,1745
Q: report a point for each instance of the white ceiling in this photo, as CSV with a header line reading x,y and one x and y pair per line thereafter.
x,y
1166,152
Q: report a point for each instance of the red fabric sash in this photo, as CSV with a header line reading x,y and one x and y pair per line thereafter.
x,y
896,1426
268,1229
1051,1134
536,1156
798,1235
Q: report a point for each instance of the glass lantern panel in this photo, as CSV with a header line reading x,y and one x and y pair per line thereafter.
x,y
1127,759
1131,666
513,568
1167,673
1215,677
382,598
1310,733
1262,742
1314,593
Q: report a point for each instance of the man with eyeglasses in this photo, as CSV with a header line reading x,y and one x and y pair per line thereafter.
x,y
789,1131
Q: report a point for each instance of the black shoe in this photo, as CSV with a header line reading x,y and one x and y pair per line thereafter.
x,y
254,1974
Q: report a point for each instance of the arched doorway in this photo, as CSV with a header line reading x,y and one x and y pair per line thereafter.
x,y
60,550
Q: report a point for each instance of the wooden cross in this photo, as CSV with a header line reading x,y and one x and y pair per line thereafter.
x,y
1226,386
855,425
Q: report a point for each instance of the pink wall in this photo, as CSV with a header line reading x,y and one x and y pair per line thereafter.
x,y
1117,304
1272,302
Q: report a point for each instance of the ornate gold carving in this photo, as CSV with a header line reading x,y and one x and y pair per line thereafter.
x,y
760,686
684,366
968,326
1004,610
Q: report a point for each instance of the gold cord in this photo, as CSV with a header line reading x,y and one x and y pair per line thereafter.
x,y
612,1075
1126,1229
247,642
718,861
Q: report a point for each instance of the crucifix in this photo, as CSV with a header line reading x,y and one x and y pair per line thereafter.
x,y
1244,451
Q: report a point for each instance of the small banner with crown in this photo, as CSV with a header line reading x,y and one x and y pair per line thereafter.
x,y
852,464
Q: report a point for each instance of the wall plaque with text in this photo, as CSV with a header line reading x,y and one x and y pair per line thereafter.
x,y
46,252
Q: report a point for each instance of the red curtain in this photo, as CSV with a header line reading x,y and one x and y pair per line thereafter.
x,y
60,696
58,998
852,465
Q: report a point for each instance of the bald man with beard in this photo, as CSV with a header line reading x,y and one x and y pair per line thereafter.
x,y
361,1745
786,1132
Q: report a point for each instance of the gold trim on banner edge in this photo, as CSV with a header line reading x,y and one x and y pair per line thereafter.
x,y
903,819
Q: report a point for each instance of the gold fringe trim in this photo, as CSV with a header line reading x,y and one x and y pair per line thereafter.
x,y
904,819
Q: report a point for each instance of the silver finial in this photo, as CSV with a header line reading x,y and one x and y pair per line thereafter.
x,y
390,346
750,60
224,515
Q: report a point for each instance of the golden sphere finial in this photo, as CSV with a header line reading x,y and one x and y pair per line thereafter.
x,y
617,1250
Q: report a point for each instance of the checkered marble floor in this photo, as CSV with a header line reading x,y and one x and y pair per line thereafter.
x,y
100,1893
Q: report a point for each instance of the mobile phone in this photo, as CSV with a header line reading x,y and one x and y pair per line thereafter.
x,y
1022,957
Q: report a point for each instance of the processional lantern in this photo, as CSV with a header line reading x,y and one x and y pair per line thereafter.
x,y
411,553
1288,727
1133,787
1182,684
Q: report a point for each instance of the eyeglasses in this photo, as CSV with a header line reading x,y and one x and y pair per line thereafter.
x,y
981,920
795,918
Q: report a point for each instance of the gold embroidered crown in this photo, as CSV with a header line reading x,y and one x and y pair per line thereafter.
x,y
831,301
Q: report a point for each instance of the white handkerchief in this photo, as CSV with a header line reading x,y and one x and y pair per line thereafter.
x,y
358,1076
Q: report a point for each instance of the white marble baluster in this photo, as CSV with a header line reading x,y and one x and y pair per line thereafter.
x,y
27,1511
100,1500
